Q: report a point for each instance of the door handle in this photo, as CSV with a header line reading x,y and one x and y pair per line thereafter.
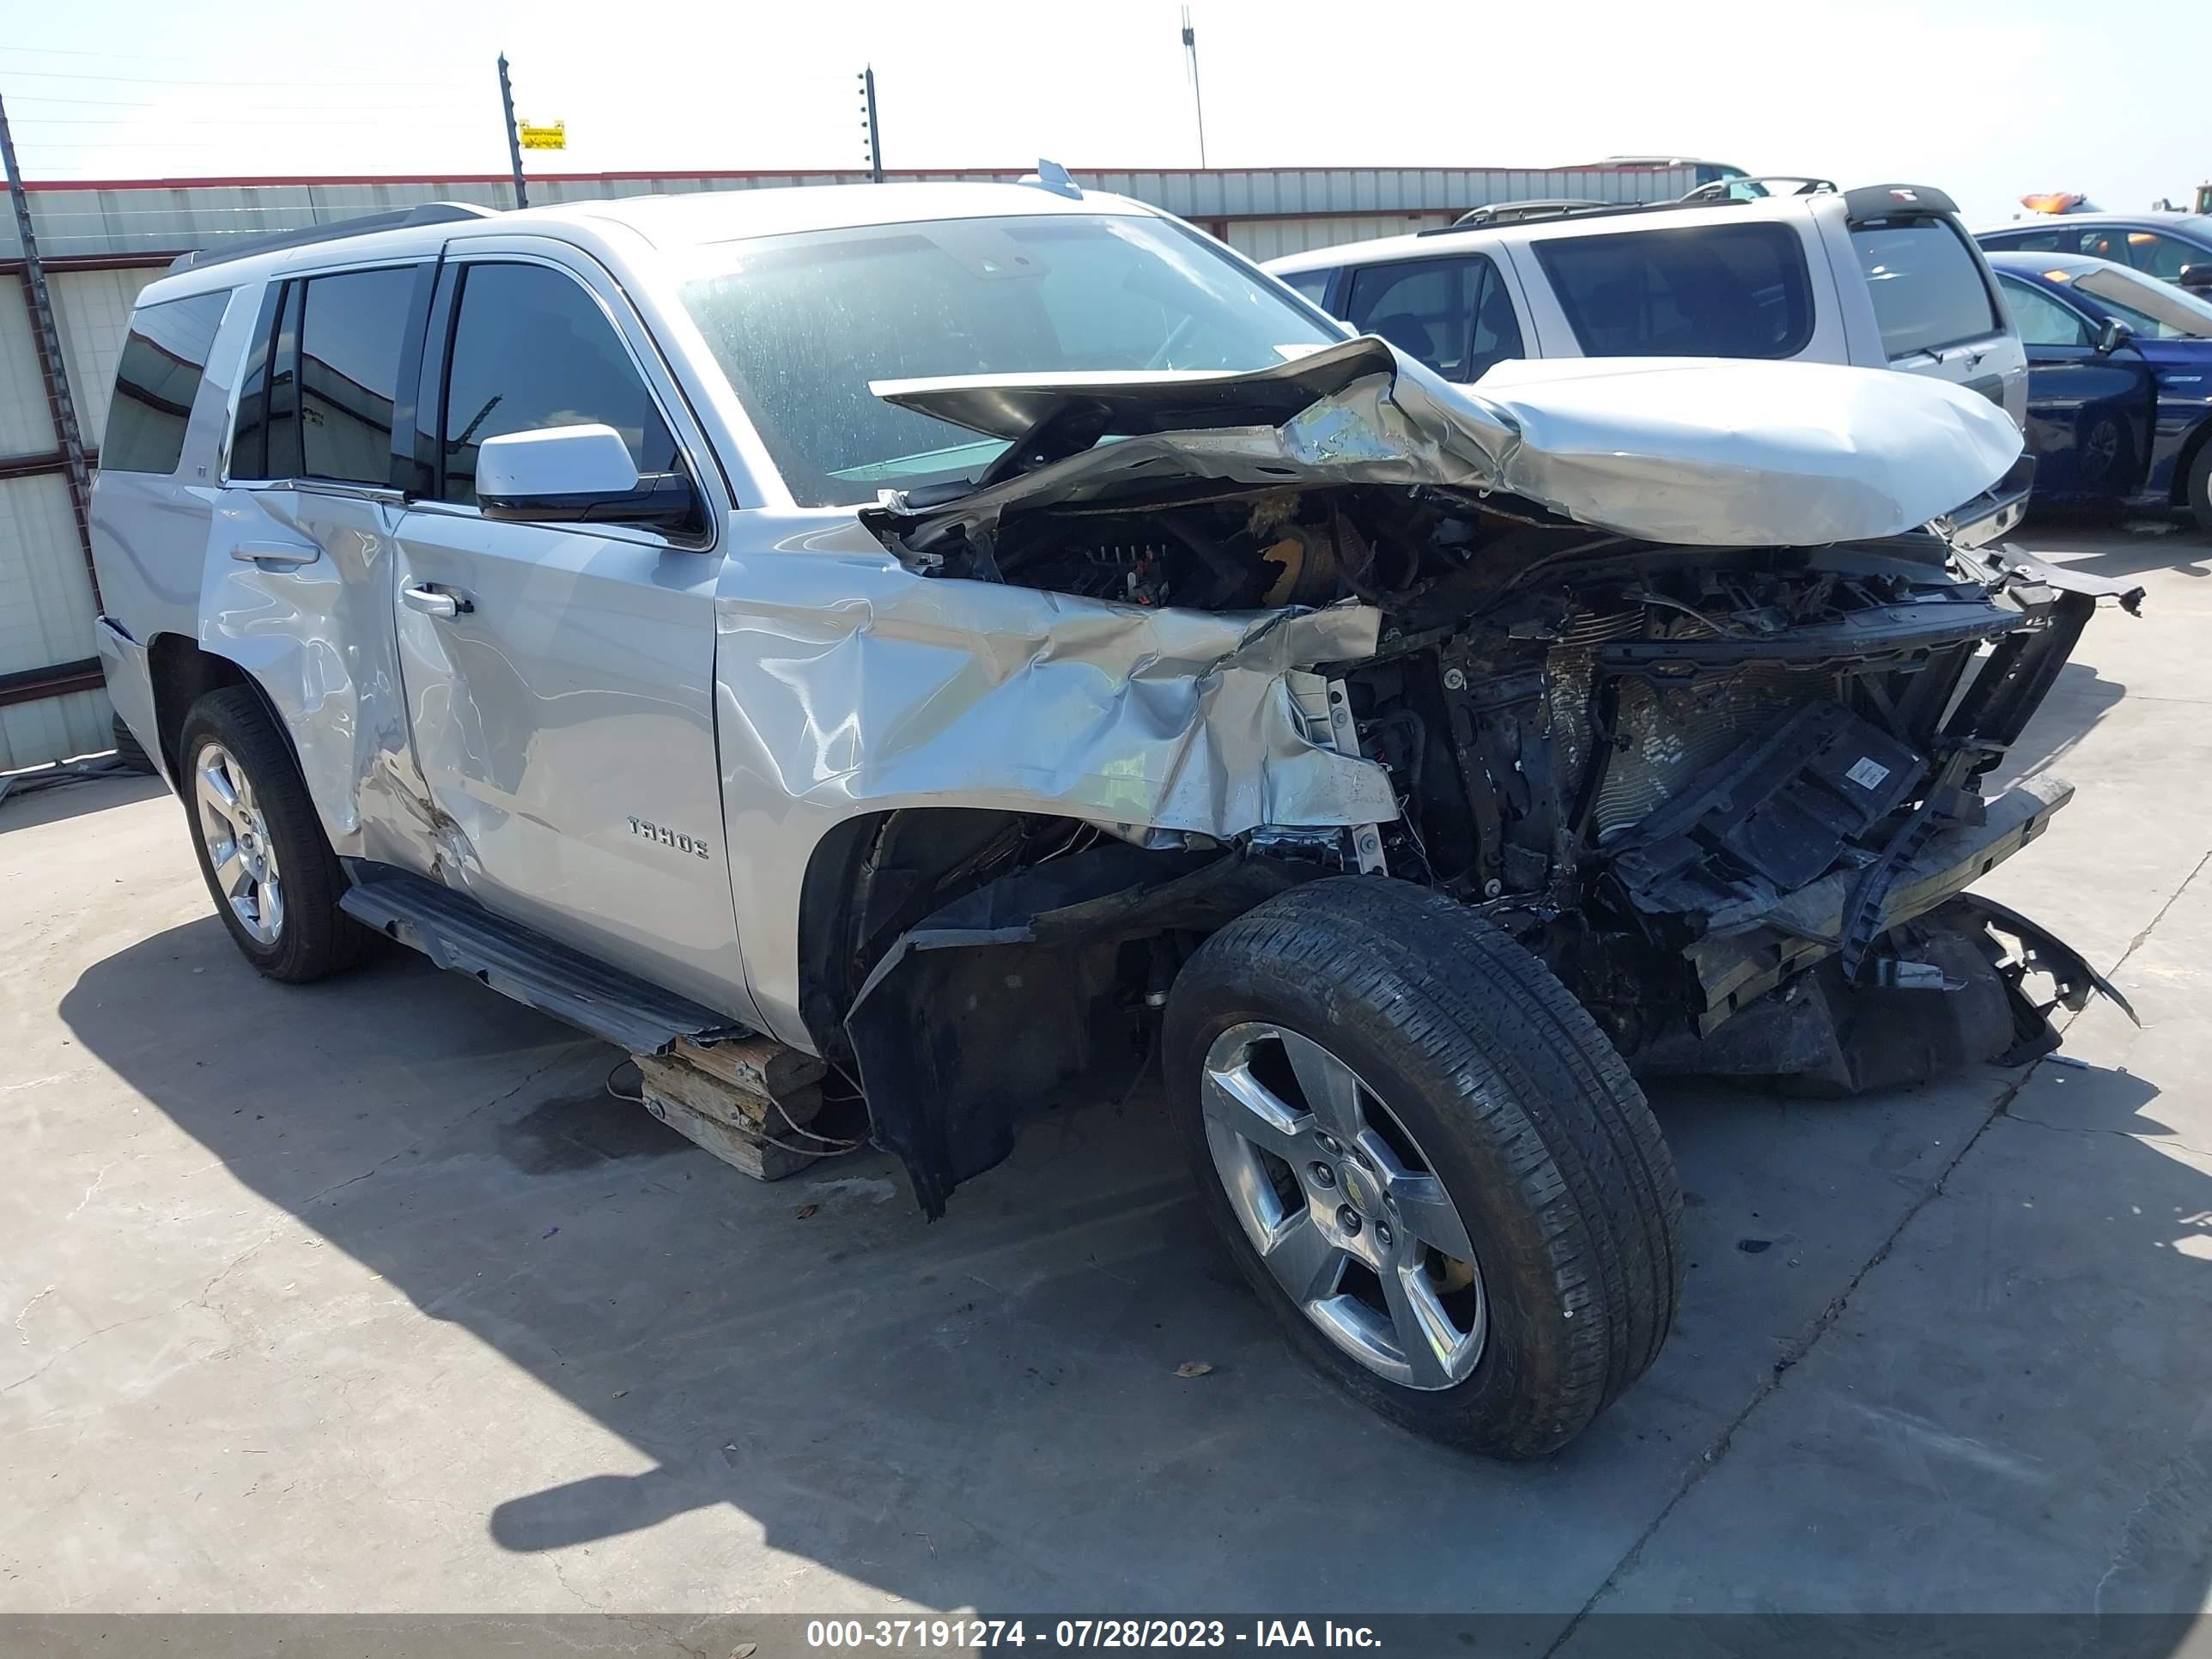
x,y
285,553
434,601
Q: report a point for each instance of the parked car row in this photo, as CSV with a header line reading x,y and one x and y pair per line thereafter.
x,y
2082,326
2120,382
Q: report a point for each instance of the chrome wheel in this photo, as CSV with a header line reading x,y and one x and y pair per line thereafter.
x,y
239,848
1342,1207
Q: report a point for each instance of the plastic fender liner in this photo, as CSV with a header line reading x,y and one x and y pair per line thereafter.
x,y
985,1005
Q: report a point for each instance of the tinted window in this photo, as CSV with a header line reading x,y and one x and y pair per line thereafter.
x,y
802,324
1707,291
349,347
1421,306
284,459
1453,314
2041,321
1314,284
2163,257
1926,286
531,348
163,360
2043,241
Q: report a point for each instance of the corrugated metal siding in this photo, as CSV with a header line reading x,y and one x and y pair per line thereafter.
x,y
74,221
1269,239
55,728
45,603
27,427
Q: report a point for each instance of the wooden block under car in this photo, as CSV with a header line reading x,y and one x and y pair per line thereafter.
x,y
740,1128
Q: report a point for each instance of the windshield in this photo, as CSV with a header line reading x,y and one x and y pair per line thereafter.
x,y
2153,310
801,324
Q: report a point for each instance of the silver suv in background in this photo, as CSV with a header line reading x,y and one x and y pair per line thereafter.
x,y
982,637
1879,276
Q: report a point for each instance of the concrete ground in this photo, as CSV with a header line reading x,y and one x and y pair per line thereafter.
x,y
367,1297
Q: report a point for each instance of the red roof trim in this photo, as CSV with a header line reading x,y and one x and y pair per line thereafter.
x,y
905,174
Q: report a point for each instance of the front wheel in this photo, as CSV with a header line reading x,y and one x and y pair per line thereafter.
x,y
1427,1159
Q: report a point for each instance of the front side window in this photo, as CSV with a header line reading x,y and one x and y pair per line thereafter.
x,y
1738,290
531,348
2041,321
350,342
163,362
802,324
1925,283
1314,284
2161,256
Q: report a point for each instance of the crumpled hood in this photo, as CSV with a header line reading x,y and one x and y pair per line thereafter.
x,y
1706,452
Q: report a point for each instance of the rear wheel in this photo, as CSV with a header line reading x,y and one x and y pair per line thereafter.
x,y
1427,1159
268,865
2200,487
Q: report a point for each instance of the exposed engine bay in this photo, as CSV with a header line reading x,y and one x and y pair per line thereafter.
x,y
1732,794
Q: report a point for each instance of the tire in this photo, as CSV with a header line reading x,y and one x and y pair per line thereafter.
x,y
129,753
305,936
2200,487
1509,1095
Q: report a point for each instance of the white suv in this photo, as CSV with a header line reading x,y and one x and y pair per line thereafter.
x,y
1879,276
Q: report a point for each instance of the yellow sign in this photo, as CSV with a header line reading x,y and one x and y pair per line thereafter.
x,y
553,137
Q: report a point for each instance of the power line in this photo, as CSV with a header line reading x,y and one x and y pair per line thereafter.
x,y
163,57
168,80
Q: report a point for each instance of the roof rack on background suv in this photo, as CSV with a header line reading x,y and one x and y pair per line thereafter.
x,y
429,213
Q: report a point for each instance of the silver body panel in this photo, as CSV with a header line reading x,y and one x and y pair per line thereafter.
x,y
751,695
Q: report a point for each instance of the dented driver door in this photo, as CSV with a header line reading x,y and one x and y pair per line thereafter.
x,y
560,678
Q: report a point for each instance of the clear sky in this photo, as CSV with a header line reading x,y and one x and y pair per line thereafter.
x,y
1986,101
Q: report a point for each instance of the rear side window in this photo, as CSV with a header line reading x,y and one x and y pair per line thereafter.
x,y
1314,284
533,349
1702,291
1926,285
350,340
163,363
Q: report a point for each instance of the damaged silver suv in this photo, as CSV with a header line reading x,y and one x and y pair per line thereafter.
x,y
984,635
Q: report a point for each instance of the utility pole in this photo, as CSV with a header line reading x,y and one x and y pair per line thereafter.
x,y
1197,97
513,138
52,367
875,132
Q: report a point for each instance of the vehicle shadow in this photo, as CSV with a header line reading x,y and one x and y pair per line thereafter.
x,y
2079,699
22,808
985,1411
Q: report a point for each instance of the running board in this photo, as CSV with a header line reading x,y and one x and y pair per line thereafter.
x,y
455,931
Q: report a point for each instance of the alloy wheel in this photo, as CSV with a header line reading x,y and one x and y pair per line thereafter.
x,y
1343,1208
239,850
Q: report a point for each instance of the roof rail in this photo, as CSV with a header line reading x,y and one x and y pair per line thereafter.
x,y
429,213
1722,190
1509,213
1050,175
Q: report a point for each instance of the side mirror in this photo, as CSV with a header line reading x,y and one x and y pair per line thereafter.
x,y
2196,278
2112,335
577,474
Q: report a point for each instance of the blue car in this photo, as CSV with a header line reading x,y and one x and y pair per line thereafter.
x,y
2119,382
